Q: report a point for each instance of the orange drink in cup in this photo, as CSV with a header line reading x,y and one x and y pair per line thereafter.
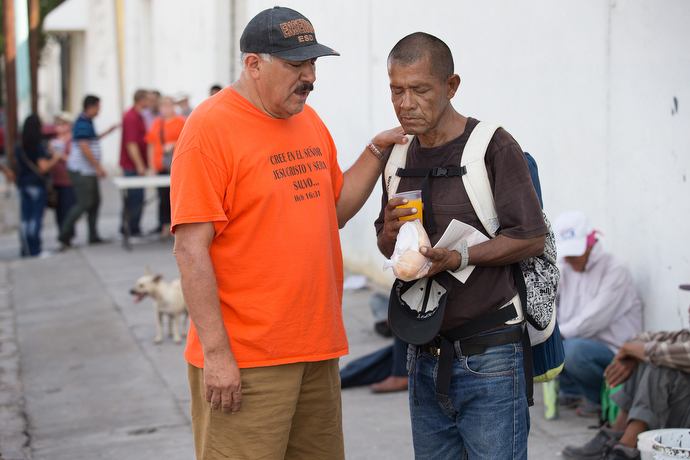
x,y
414,200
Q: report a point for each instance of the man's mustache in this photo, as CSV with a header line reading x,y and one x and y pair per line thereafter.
x,y
305,87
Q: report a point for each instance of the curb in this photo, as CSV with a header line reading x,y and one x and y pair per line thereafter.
x,y
14,437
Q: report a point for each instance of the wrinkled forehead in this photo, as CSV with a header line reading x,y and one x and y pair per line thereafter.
x,y
412,75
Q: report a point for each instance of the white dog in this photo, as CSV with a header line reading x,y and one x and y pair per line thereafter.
x,y
167,300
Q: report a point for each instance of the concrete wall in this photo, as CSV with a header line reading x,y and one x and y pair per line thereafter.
x,y
101,74
587,87
177,45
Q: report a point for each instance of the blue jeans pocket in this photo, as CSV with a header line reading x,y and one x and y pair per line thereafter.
x,y
494,362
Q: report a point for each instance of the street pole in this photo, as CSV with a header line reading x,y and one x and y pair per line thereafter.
x,y
11,83
34,19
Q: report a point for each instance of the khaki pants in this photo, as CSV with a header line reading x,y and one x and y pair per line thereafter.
x,y
290,412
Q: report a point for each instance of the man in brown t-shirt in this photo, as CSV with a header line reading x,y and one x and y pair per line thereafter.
x,y
486,412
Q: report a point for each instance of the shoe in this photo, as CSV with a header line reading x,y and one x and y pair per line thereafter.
x,y
595,448
99,241
588,409
390,384
65,243
621,452
569,403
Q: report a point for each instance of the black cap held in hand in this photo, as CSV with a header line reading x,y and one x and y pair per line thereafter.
x,y
283,33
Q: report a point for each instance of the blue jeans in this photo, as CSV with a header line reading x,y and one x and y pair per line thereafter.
x,y
583,371
135,204
487,413
33,202
65,202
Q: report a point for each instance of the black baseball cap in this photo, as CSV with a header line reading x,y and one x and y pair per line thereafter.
x,y
416,308
283,33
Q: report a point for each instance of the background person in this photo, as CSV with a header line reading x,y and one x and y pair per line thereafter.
x,y
33,164
151,112
133,160
60,145
214,90
84,169
161,140
597,306
182,104
654,368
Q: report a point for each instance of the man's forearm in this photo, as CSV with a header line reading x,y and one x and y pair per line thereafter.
x,y
135,154
149,155
360,179
200,292
358,183
503,250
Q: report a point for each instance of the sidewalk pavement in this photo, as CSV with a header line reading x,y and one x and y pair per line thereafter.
x,y
80,377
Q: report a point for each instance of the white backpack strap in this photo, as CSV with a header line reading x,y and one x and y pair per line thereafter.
x,y
476,179
396,160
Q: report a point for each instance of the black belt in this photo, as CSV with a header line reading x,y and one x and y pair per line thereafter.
x,y
444,349
479,345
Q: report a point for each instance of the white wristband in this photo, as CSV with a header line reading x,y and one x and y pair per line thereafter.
x,y
464,253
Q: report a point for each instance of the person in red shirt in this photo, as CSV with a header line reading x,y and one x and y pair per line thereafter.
x,y
161,138
133,158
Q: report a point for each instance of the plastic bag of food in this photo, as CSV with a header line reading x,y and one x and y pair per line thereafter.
x,y
407,262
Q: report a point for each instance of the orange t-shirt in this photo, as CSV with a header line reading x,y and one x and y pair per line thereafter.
x,y
270,187
171,132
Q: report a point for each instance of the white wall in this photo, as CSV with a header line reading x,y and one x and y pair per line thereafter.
x,y
101,74
177,45
586,87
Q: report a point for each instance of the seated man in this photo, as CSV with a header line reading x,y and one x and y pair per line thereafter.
x,y
597,305
656,394
385,369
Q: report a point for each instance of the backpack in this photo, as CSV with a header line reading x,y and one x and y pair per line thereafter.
x,y
536,278
540,274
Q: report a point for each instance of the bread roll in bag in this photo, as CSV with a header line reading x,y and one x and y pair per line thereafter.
x,y
407,262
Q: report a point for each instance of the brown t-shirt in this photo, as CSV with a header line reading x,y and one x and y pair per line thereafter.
x,y
487,288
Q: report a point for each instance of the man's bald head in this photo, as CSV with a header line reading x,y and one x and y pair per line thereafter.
x,y
420,45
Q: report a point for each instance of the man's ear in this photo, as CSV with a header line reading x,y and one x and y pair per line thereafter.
x,y
252,64
452,83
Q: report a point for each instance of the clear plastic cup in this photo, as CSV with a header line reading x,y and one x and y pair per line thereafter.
x,y
414,200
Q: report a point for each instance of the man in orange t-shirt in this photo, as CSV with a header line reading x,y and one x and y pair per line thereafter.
x,y
257,201
161,139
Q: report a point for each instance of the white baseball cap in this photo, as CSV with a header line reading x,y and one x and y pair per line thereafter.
x,y
571,230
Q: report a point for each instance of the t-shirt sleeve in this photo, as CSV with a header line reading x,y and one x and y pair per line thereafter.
x,y
153,133
176,129
42,152
517,203
198,189
83,130
129,130
336,173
